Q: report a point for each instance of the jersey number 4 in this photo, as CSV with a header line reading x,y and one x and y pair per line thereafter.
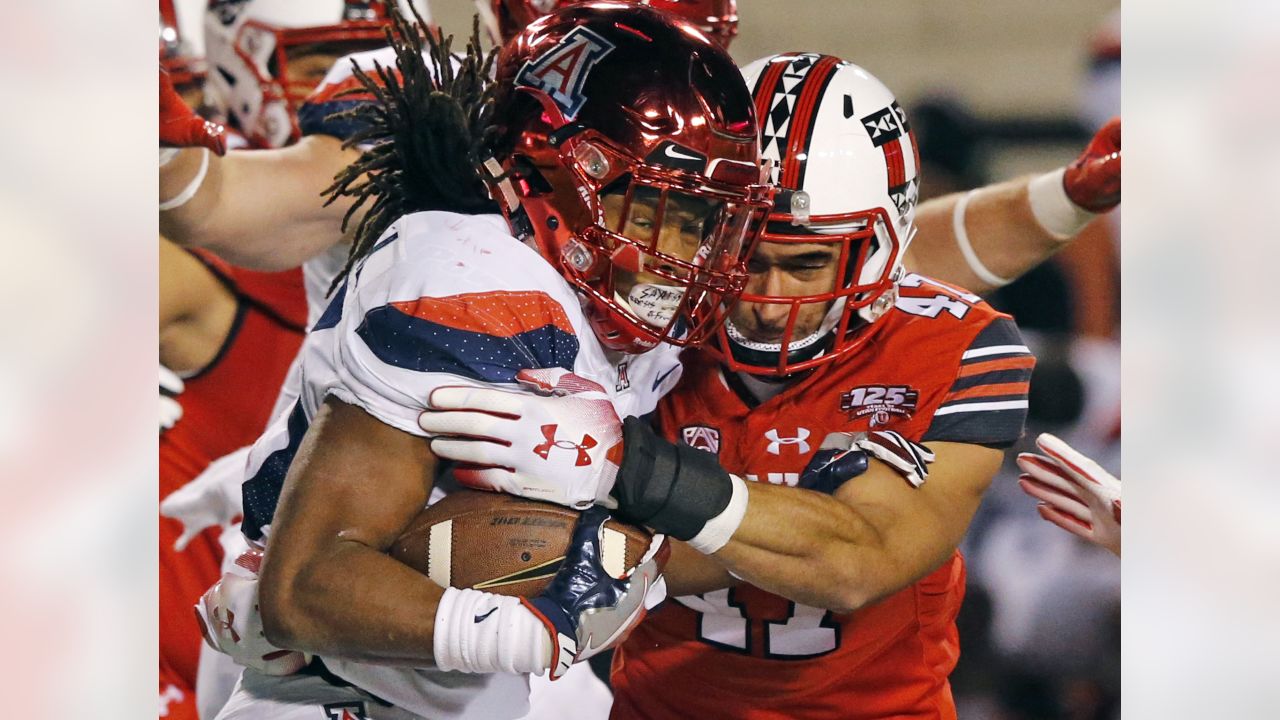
x,y
951,300
803,632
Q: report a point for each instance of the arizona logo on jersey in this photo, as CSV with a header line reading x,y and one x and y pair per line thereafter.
x,y
563,71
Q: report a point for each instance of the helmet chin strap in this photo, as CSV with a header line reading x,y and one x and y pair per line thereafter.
x,y
806,348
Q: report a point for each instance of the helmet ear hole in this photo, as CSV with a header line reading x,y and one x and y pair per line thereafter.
x,y
532,176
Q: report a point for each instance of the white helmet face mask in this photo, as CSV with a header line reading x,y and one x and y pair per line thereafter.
x,y
246,43
847,170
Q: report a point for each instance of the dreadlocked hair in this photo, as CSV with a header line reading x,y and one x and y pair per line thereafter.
x,y
424,135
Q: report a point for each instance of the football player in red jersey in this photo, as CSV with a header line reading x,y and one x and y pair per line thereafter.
x,y
231,334
802,593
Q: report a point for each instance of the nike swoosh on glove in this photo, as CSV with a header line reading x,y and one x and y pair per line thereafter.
x,y
560,441
1075,493
584,609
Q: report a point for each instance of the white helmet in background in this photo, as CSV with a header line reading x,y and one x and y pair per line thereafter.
x,y
247,43
847,170
182,40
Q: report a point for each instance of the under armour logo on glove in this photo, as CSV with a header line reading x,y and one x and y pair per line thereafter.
x,y
549,432
226,622
801,440
490,432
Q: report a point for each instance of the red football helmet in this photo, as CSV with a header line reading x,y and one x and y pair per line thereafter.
x,y
847,172
717,18
625,150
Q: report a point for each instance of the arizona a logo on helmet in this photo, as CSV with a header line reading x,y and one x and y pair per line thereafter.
x,y
562,72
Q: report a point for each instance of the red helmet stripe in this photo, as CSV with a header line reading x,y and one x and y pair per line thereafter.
x,y
895,162
803,118
768,80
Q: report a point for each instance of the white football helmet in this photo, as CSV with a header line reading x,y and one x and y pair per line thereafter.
x,y
847,170
182,40
247,40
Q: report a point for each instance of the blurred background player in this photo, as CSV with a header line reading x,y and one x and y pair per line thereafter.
x,y
230,335
227,336
264,209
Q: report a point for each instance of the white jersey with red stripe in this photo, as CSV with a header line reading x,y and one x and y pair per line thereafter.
x,y
441,299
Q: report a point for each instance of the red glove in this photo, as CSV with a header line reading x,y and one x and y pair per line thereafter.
x,y
181,127
1093,180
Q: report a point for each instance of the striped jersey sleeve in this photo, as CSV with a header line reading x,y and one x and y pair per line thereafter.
x,y
446,300
400,351
320,113
987,403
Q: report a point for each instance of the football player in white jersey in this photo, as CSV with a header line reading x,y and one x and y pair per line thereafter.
x,y
628,178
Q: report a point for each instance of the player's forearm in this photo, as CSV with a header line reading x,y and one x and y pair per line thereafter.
x,y
355,602
1001,229
689,572
808,547
261,209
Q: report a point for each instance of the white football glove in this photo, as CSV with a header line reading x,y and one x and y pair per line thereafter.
x,y
1075,493
231,623
170,388
211,499
563,445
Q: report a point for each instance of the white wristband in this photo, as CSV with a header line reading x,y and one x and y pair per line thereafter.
x,y
716,533
167,154
966,248
480,632
1051,207
192,187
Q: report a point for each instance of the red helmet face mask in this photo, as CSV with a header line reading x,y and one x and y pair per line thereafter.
x,y
633,170
249,44
717,19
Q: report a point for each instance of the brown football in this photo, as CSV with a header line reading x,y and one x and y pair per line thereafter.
x,y
504,544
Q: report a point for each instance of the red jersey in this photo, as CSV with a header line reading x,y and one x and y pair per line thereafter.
x,y
942,366
224,407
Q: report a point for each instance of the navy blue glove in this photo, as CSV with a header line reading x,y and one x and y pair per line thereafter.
x,y
587,611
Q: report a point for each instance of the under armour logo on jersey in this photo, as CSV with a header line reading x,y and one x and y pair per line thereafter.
x,y
543,450
562,72
171,694
346,711
801,440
